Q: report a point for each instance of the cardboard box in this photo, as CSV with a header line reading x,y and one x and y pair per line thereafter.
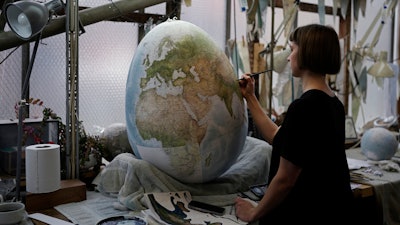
x,y
8,160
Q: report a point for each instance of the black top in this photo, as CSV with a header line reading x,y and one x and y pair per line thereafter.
x,y
312,136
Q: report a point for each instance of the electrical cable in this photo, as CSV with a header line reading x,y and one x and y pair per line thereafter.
x,y
8,55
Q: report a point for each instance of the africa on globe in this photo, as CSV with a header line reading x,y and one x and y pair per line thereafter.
x,y
184,109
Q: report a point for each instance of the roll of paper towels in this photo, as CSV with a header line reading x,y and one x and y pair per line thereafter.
x,y
42,168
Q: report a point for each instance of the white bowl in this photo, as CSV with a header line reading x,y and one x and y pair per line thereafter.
x,y
11,212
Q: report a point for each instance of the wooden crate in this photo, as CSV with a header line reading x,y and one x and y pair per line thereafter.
x,y
70,191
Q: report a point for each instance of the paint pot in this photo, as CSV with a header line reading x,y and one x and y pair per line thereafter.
x,y
11,212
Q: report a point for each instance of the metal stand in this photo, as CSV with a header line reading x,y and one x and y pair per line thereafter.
x,y
21,105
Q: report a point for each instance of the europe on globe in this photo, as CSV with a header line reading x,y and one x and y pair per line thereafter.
x,y
184,109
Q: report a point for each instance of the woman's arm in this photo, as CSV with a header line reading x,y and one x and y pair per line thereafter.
x,y
264,124
277,191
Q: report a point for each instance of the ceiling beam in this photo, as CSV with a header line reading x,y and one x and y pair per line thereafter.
x,y
87,16
308,7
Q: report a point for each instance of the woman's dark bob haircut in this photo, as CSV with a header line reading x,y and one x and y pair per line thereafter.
x,y
318,48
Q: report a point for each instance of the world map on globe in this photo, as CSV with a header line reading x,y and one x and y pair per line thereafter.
x,y
184,110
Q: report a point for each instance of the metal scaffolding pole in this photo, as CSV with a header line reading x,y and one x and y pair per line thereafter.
x,y
72,89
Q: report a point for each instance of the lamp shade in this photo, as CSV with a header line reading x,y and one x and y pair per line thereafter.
x,y
28,18
381,68
280,60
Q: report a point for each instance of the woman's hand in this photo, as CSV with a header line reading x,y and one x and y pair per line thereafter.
x,y
247,84
245,210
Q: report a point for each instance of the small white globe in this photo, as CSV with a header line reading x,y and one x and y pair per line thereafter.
x,y
379,144
115,141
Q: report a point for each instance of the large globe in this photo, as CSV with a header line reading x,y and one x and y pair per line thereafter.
x,y
378,143
184,110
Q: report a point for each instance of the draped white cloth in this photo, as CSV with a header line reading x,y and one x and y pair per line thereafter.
x,y
129,178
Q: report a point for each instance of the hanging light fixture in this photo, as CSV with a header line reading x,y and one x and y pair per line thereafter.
x,y
28,18
381,68
280,59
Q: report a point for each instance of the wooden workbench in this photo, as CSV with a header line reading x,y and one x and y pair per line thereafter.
x,y
385,185
70,191
362,193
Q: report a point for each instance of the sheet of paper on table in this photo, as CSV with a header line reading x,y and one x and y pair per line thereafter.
x,y
355,164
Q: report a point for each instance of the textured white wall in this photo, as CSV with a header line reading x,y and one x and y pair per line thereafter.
x,y
105,52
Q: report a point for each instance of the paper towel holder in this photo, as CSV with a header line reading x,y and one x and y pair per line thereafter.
x,y
27,20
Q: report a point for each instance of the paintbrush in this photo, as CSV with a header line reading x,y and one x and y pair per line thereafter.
x,y
256,74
